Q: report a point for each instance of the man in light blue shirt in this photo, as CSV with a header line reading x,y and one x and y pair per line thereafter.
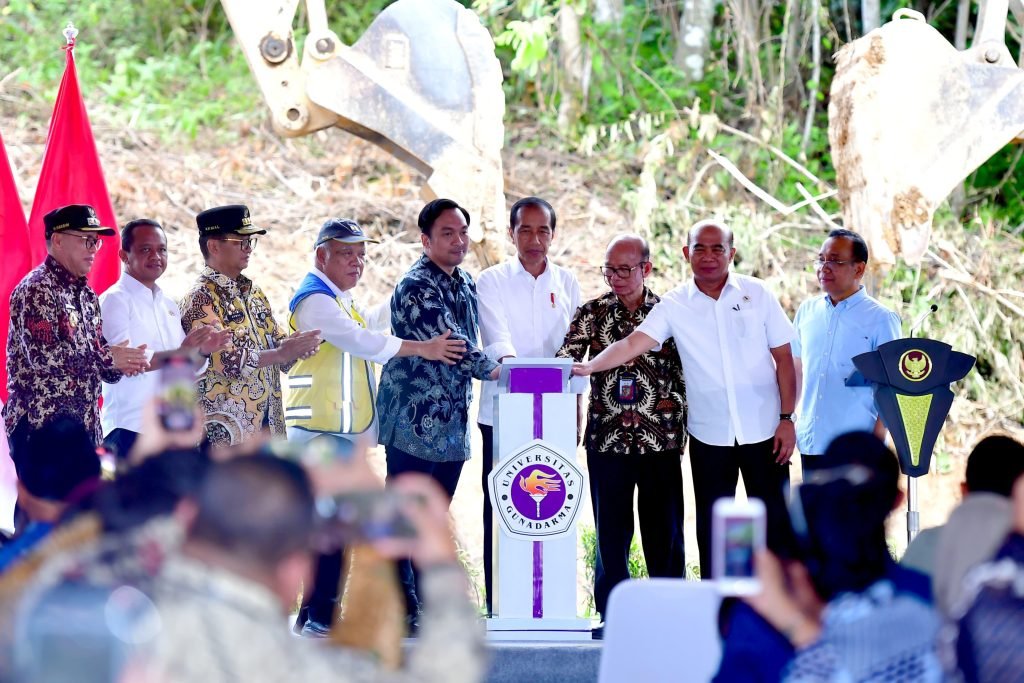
x,y
830,331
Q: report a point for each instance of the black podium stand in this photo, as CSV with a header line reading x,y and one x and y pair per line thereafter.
x,y
911,378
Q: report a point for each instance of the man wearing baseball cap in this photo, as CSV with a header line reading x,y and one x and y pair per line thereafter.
x,y
57,355
240,392
331,394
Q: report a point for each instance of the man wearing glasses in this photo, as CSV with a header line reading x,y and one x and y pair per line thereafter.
x,y
733,339
240,391
57,355
830,331
635,425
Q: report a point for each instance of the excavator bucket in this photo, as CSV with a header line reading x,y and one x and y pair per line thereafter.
x,y
909,118
422,82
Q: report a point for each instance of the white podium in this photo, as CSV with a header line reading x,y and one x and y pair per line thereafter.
x,y
537,492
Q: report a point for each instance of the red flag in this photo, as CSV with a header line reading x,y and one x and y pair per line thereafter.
x,y
16,260
72,174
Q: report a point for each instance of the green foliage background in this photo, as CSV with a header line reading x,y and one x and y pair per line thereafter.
x,y
173,66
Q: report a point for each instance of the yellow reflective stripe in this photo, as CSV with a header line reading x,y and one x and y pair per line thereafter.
x,y
346,392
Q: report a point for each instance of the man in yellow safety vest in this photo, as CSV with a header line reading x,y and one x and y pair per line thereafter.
x,y
330,395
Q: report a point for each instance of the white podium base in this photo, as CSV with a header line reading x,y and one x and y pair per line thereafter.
x,y
499,628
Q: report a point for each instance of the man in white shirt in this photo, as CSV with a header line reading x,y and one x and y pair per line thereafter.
x,y
137,310
734,343
526,305
331,395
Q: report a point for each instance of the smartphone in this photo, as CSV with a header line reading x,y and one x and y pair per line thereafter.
x,y
366,516
177,393
737,534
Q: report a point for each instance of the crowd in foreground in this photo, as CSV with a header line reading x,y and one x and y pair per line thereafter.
x,y
179,556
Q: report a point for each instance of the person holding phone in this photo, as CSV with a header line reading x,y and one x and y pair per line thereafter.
x,y
635,425
331,393
844,608
734,343
137,309
219,580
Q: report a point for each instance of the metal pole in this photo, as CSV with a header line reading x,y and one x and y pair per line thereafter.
x,y
913,522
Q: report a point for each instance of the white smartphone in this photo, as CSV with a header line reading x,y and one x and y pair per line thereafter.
x,y
737,534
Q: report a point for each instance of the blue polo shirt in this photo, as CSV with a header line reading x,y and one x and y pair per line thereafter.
x,y
827,338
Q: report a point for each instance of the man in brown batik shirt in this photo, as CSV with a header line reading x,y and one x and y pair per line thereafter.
x,y
635,426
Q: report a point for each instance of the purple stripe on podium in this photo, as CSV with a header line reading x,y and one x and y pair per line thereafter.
x,y
536,381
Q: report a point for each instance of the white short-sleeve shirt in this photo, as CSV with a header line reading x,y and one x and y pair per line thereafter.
x,y
725,346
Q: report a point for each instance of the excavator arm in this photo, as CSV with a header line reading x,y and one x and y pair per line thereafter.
x,y
910,117
422,83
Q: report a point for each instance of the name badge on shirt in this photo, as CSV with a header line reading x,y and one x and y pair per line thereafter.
x,y
627,393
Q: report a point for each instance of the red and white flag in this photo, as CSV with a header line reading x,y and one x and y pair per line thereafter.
x,y
71,174
17,258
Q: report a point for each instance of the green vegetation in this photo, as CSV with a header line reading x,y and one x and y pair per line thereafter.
x,y
625,110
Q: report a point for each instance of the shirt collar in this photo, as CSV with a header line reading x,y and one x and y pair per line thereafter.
x,y
692,289
650,298
134,287
242,284
518,269
62,274
347,296
436,270
848,301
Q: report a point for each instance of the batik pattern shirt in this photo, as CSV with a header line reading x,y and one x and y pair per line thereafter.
x,y
238,397
56,353
424,405
654,420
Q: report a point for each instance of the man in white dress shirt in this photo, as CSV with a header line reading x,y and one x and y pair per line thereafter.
x,y
734,343
136,309
331,395
526,305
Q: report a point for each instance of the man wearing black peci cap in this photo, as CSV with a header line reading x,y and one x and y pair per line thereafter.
x,y
240,391
331,394
56,352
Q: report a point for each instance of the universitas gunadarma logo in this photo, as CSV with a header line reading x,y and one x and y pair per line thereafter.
x,y
537,492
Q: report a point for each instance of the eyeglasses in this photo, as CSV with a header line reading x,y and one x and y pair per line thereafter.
x,y
622,271
246,243
829,263
91,243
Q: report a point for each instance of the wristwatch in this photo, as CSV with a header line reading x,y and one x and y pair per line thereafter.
x,y
786,416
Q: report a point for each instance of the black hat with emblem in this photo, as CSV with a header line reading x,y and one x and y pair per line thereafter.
x,y
80,217
342,230
227,220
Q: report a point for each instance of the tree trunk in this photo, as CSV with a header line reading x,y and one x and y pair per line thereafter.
x,y
608,11
870,16
694,43
574,67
